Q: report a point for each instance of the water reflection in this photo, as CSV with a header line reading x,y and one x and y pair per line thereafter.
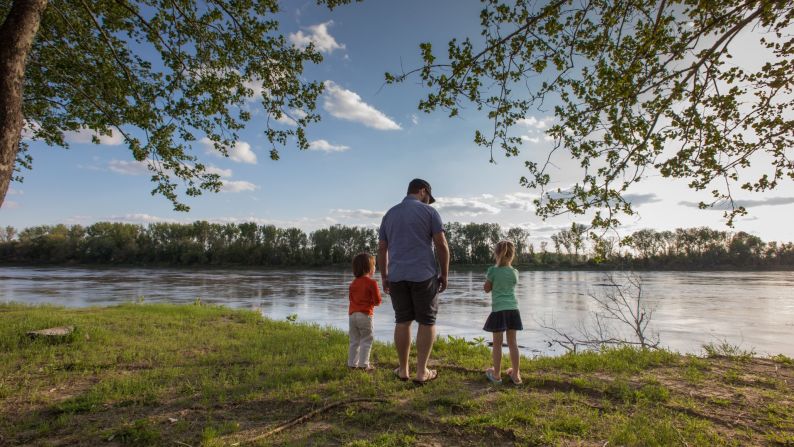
x,y
755,309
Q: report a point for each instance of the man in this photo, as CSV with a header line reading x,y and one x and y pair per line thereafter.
x,y
409,273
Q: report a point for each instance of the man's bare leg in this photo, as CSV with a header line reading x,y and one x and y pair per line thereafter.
x,y
425,337
402,341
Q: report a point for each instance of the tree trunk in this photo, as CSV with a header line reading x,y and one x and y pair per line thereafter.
x,y
16,34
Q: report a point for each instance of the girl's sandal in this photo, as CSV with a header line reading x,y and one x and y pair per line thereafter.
x,y
513,379
489,373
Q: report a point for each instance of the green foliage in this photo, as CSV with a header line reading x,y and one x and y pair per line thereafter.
x,y
781,438
695,370
780,358
634,87
139,433
211,432
386,440
204,243
653,392
643,431
617,360
164,75
728,350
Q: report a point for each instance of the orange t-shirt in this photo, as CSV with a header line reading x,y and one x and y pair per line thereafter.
x,y
364,295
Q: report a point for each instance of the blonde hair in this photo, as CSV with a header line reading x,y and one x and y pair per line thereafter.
x,y
504,253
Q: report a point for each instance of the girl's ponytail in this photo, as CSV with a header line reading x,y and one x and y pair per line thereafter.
x,y
504,253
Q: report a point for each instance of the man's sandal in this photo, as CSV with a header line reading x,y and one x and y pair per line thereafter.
x,y
396,372
433,375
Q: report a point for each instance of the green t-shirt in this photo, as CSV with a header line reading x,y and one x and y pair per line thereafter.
x,y
503,293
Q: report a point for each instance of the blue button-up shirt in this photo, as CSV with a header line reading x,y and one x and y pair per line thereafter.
x,y
408,229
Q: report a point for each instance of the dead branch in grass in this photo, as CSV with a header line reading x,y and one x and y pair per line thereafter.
x,y
304,418
622,301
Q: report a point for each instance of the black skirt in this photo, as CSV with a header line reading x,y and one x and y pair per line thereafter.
x,y
503,320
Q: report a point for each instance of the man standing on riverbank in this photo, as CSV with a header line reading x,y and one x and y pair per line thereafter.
x,y
409,273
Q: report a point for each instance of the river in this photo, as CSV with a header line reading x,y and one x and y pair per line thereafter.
x,y
754,310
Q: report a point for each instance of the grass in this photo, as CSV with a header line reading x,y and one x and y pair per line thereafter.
x,y
141,374
728,350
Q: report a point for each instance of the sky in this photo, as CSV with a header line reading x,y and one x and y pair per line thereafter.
x,y
371,142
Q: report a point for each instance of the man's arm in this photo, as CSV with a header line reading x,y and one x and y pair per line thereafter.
x,y
383,264
442,251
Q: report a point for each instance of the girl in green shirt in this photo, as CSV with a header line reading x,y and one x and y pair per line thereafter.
x,y
501,280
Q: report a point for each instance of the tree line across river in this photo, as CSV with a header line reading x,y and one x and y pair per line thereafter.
x,y
211,244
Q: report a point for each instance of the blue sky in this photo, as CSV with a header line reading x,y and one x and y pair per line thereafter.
x,y
371,142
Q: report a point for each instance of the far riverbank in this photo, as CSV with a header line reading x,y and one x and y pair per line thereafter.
x,y
596,267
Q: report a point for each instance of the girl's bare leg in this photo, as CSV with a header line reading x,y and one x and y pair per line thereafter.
x,y
496,354
515,357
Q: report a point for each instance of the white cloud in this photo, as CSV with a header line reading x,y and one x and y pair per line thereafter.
x,y
216,170
83,135
322,145
518,201
527,138
29,127
257,86
465,207
536,128
317,35
534,123
140,218
241,152
129,167
86,136
10,204
14,192
358,214
414,119
238,186
641,199
290,120
748,203
347,105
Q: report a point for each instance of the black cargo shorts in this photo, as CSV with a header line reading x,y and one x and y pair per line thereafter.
x,y
415,301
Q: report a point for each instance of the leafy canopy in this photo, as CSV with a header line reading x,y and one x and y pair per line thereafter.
x,y
164,74
635,86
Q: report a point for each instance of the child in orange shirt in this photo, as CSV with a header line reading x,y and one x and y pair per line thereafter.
x,y
364,296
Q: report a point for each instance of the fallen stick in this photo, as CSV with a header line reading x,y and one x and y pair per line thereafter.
x,y
306,417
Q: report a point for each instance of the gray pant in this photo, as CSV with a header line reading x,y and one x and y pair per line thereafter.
x,y
360,340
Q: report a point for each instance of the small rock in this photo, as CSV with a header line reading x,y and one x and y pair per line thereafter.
x,y
173,420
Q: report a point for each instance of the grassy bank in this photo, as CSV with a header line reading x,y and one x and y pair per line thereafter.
x,y
198,375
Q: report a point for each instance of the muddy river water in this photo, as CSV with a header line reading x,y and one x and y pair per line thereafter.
x,y
754,310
